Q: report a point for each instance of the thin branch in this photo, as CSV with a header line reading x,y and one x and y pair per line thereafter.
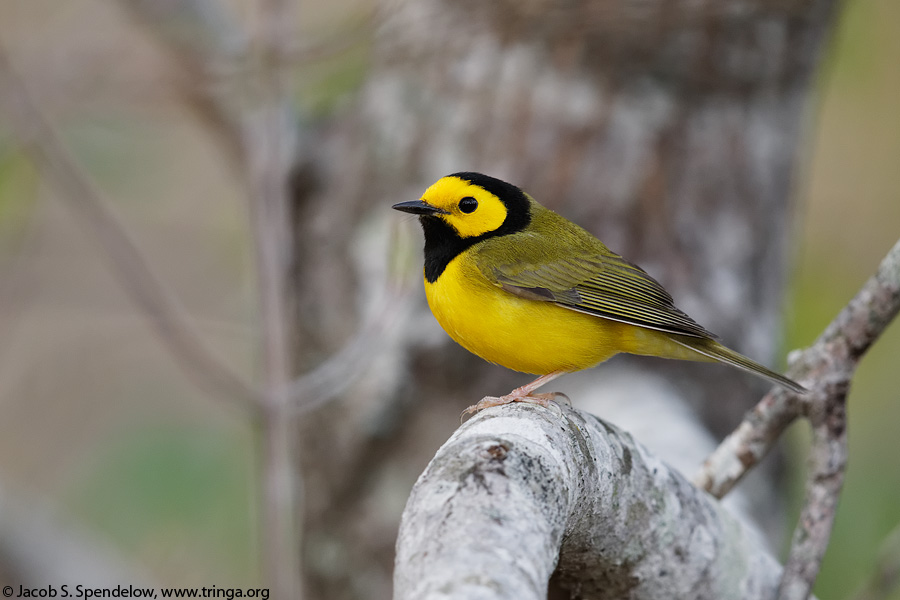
x,y
271,148
211,50
214,56
822,367
129,265
827,368
748,443
827,465
208,43
338,373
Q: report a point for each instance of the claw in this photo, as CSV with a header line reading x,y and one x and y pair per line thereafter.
x,y
547,400
560,396
521,394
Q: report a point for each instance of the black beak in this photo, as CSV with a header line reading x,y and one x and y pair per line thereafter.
x,y
419,207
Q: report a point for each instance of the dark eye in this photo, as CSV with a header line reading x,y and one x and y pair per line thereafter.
x,y
468,204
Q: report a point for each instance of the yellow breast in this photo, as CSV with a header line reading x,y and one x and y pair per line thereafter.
x,y
524,335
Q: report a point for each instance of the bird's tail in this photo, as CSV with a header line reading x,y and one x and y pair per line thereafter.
x,y
717,352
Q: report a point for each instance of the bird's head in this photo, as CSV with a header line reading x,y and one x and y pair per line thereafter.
x,y
472,205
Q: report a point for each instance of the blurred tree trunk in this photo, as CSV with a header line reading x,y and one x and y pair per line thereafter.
x,y
668,129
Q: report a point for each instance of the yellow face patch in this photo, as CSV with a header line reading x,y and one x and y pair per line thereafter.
x,y
471,209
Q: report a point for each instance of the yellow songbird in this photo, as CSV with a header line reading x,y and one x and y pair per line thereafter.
x,y
522,287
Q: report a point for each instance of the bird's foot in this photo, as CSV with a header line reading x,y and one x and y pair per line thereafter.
x,y
522,394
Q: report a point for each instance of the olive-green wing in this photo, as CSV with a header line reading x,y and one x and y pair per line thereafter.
x,y
605,285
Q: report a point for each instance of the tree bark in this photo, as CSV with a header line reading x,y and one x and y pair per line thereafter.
x,y
521,491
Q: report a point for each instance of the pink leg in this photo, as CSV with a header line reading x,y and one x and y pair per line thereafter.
x,y
520,394
526,390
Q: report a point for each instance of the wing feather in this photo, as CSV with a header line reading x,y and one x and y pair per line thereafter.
x,y
605,285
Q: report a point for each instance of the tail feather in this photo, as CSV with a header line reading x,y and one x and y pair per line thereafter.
x,y
716,351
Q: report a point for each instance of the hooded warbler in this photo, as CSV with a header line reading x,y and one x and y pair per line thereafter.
x,y
520,286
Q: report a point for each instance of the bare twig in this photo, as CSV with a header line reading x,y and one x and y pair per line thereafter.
x,y
827,465
749,443
270,145
831,359
341,370
129,265
211,51
826,367
209,44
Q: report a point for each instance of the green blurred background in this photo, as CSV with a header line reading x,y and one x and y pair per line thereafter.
x,y
850,216
95,414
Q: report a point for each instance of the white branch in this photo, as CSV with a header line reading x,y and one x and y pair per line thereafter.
x,y
520,491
